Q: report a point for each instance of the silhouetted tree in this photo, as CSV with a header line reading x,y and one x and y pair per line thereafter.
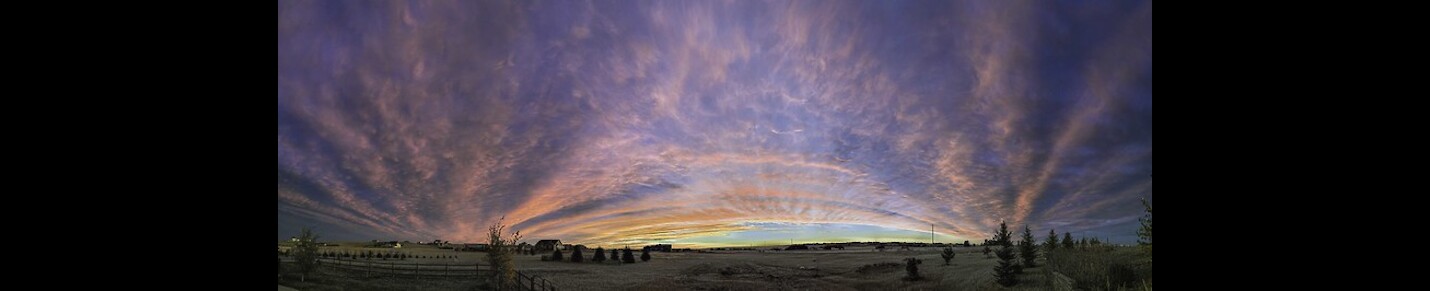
x,y
1067,241
1027,249
947,255
576,256
556,256
1082,243
1052,242
306,253
645,254
911,268
987,252
615,257
627,256
1144,234
600,255
1006,270
965,244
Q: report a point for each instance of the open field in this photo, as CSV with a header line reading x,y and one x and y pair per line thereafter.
x,y
856,268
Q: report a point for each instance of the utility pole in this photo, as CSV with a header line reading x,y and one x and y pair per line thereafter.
x,y
930,234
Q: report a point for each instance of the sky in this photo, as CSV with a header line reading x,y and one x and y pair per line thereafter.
x,y
713,123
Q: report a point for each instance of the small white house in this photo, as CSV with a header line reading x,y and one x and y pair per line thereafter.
x,y
397,245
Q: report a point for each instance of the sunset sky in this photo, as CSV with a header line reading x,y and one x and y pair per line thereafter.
x,y
713,123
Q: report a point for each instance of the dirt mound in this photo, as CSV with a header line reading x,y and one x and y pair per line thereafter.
x,y
879,268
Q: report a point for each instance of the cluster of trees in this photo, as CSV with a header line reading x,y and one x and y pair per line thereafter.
x,y
377,255
1009,267
625,256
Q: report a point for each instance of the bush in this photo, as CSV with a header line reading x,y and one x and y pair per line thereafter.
x,y
1121,268
987,252
645,255
947,255
306,253
911,269
576,256
627,256
499,256
615,257
556,256
600,255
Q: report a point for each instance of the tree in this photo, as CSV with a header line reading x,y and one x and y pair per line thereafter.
x,y
987,252
280,267
645,254
627,256
600,255
500,254
1144,234
947,255
1082,243
1028,250
1006,270
556,256
1052,242
1067,240
576,256
615,257
911,269
306,253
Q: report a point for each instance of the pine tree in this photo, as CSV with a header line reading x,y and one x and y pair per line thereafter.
x,y
1082,243
947,255
911,268
1067,241
1144,234
577,256
615,256
1052,242
1005,271
600,255
645,254
627,256
1028,250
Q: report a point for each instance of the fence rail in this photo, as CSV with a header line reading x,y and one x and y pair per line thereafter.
x,y
366,268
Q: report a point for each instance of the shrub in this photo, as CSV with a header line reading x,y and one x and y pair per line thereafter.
x,y
627,256
1144,234
947,255
306,253
600,255
615,257
556,256
576,256
987,252
499,255
911,268
645,255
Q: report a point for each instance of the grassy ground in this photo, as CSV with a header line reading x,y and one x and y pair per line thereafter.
x,y
850,269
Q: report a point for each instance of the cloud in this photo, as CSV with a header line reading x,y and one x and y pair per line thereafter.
x,y
683,122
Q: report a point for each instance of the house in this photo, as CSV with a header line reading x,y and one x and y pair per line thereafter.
x,y
396,245
472,248
547,245
657,248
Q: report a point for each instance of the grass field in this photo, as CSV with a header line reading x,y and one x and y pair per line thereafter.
x,y
856,268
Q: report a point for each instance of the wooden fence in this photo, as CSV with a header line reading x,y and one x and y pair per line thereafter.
x,y
366,268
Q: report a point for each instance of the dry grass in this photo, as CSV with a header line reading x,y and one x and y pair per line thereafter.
x,y
851,269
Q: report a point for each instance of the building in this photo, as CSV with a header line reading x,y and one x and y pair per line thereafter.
x,y
797,247
547,245
657,248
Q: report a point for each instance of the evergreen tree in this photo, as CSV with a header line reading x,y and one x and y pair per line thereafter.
x,y
1052,242
615,257
1144,234
1006,270
1082,243
1067,241
627,256
556,256
600,255
645,254
987,252
1028,250
947,255
911,268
